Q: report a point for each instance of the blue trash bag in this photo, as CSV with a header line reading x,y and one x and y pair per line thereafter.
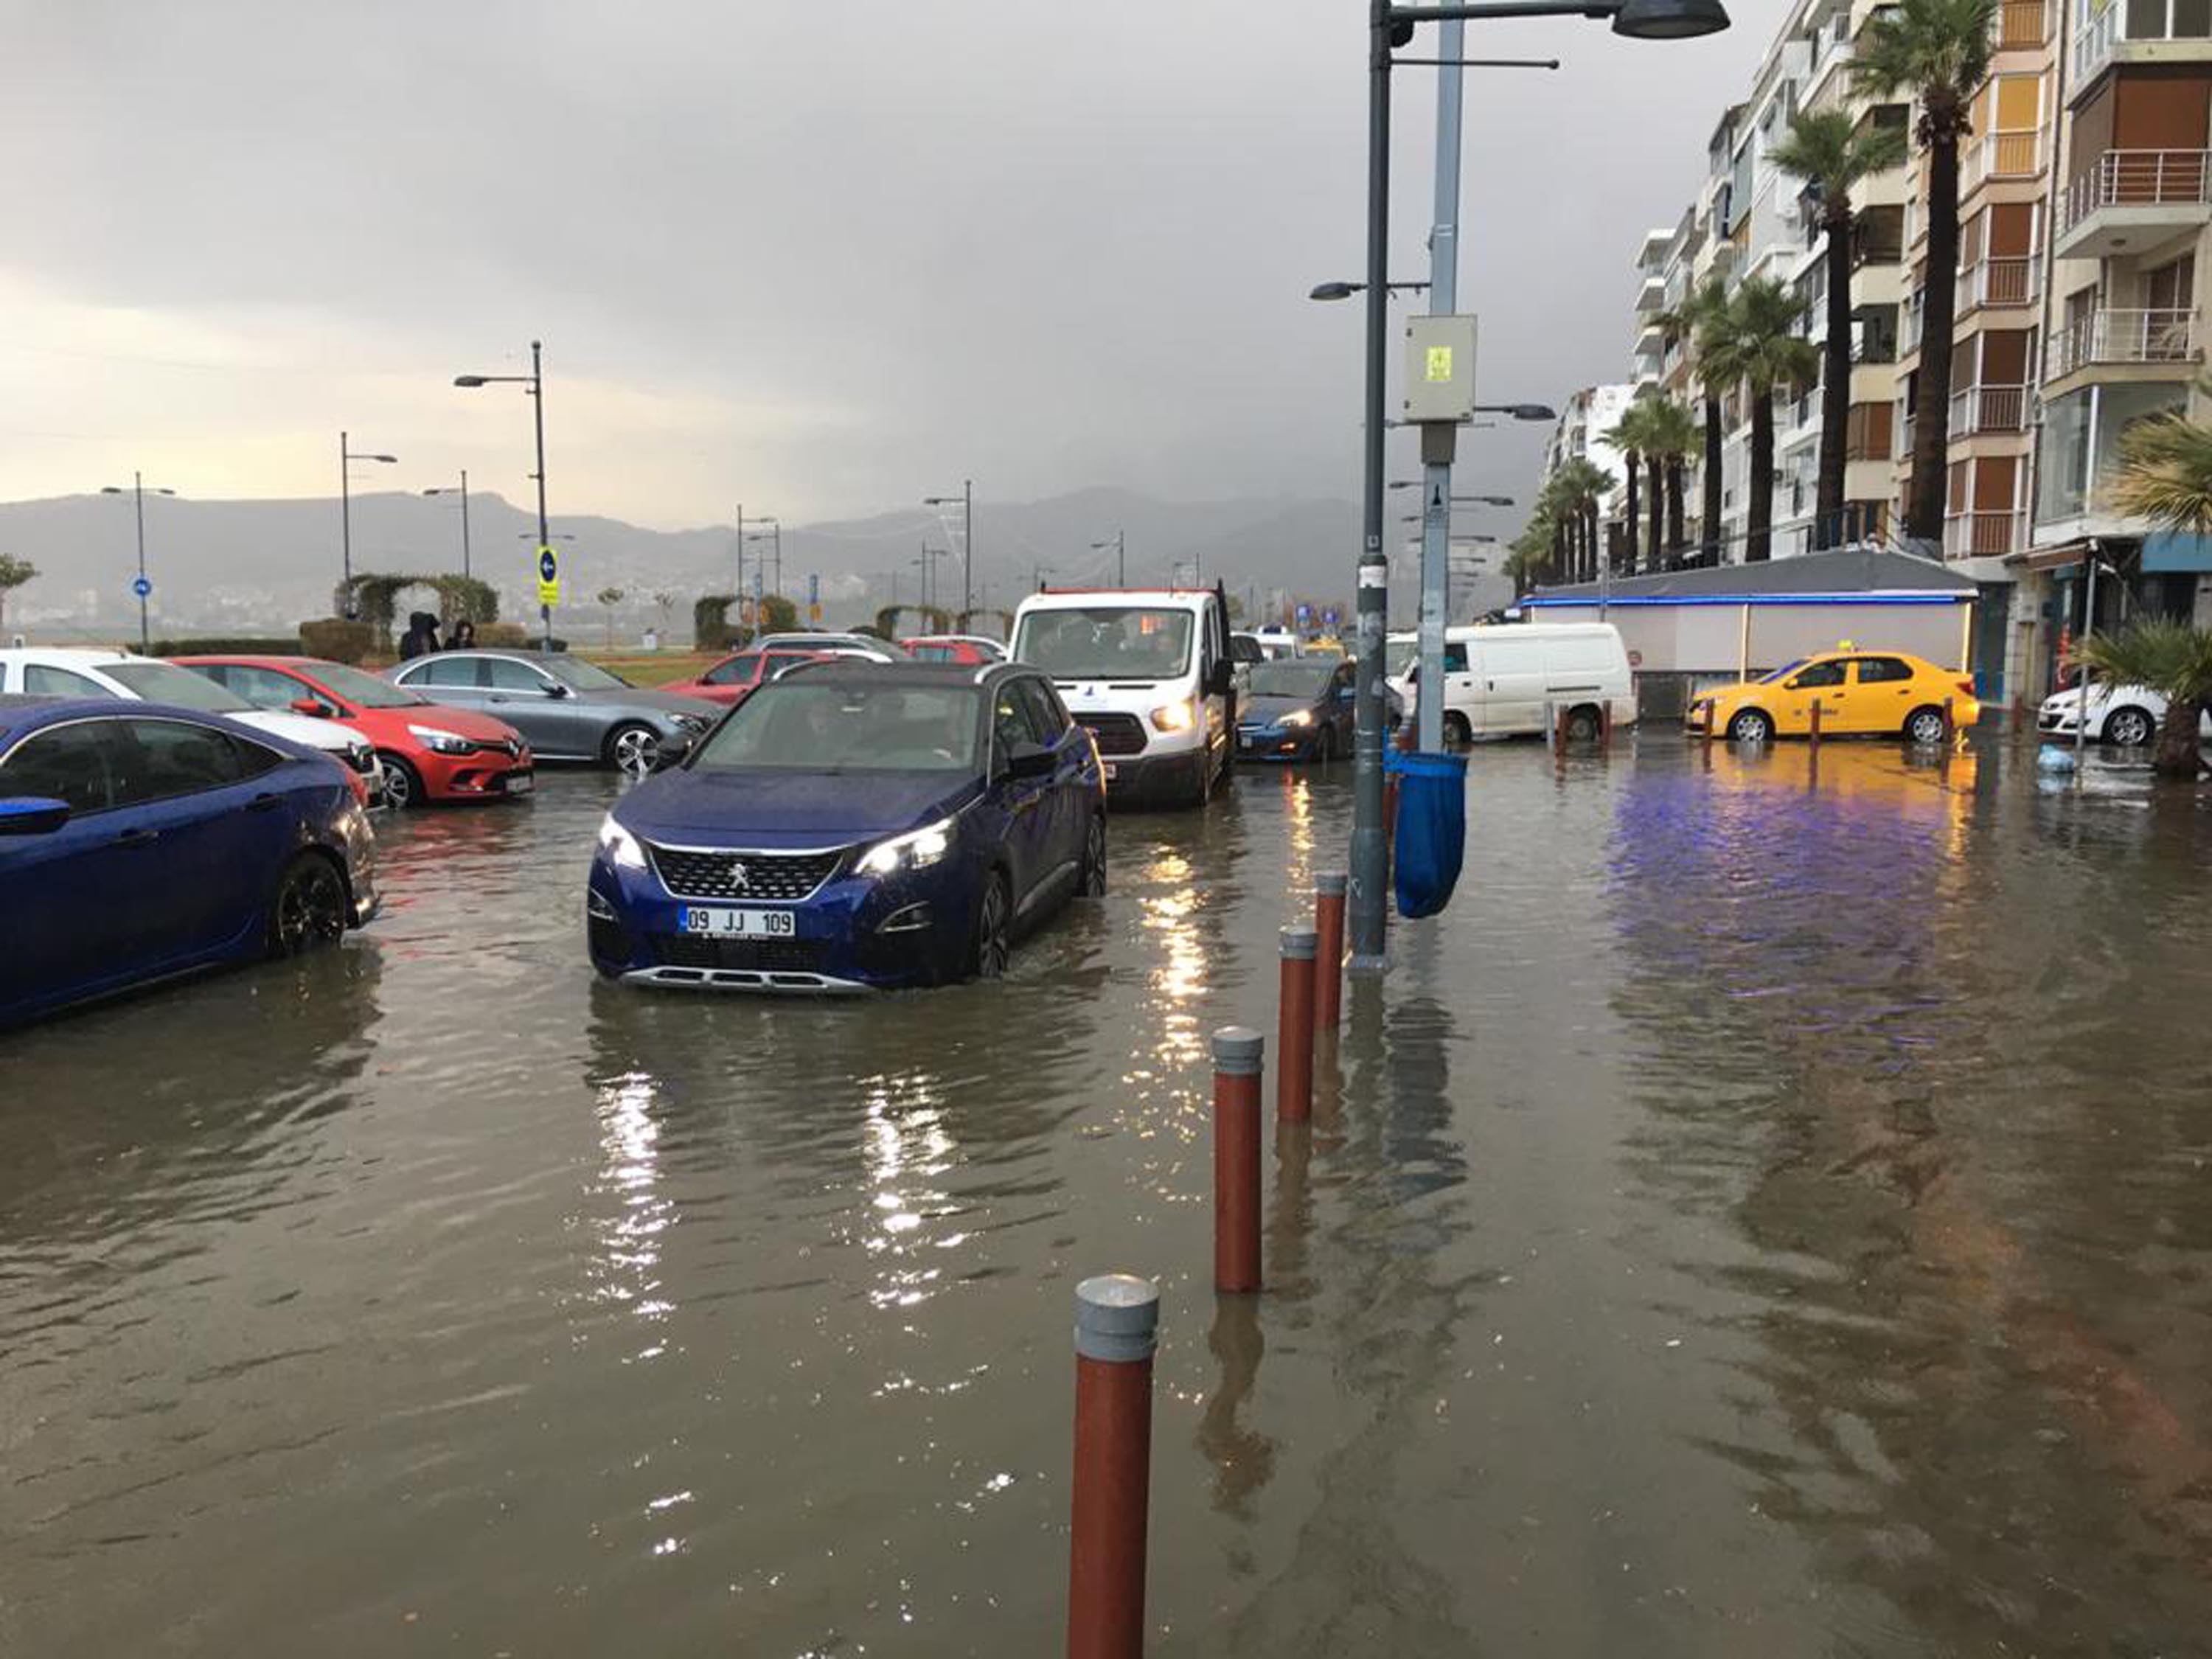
x,y
1432,830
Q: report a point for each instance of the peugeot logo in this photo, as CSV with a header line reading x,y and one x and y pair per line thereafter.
x,y
741,880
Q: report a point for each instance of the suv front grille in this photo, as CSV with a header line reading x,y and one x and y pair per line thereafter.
x,y
764,956
777,876
1117,734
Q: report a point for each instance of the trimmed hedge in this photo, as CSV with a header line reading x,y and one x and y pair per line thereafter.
x,y
228,646
336,640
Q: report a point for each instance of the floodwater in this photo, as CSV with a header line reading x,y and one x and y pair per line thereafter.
x,y
1767,1215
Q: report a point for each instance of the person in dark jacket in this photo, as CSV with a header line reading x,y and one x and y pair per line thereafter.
x,y
464,636
421,637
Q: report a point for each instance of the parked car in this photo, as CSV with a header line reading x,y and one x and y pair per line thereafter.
x,y
837,645
741,673
566,708
427,752
1883,692
1149,672
1501,681
2127,715
83,673
852,825
142,840
972,649
1298,708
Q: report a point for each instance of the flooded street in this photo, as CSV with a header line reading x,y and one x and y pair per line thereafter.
x,y
1765,1216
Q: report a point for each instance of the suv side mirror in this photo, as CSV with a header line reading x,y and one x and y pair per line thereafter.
x,y
32,815
1030,760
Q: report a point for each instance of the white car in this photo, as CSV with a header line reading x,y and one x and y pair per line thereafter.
x,y
2127,715
79,673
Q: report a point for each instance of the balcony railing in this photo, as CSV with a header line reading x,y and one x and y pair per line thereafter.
x,y
2098,42
1983,534
2023,23
2138,178
1989,408
2093,44
2001,280
2003,155
2125,337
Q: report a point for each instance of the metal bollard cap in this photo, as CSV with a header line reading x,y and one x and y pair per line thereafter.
x,y
1237,1051
1299,943
1330,884
1117,1317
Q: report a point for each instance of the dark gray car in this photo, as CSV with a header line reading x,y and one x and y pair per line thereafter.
x,y
569,709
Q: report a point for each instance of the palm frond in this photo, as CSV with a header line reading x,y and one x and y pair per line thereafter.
x,y
2167,655
2166,473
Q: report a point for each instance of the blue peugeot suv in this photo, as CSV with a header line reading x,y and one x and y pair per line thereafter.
x,y
852,825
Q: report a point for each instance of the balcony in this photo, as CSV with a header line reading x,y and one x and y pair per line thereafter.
x,y
2139,32
1982,535
2022,23
2129,200
2000,281
1989,408
2163,337
1652,297
2001,156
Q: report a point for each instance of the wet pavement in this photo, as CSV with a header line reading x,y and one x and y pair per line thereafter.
x,y
1767,1215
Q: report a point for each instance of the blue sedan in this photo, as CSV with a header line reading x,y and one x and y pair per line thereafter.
x,y
852,825
140,841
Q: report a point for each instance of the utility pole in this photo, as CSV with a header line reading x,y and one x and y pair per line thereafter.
x,y
1444,298
545,538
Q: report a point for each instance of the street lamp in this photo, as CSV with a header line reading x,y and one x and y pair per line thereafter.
x,y
1392,26
463,492
928,560
347,456
534,388
1463,500
1120,558
1520,411
139,584
966,500
1345,290
1040,572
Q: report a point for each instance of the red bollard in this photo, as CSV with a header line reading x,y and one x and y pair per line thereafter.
x,y
1950,724
1328,950
1117,1325
1294,1042
1236,1061
1605,730
1814,736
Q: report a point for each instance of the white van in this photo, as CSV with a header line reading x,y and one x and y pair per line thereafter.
x,y
1149,672
1499,681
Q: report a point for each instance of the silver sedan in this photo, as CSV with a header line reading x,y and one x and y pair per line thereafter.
x,y
569,709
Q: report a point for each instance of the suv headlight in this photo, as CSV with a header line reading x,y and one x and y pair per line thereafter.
x,y
621,847
440,742
1296,717
1172,717
915,850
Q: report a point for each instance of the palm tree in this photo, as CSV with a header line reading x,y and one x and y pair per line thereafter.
x,y
1588,486
1755,343
1671,435
1833,152
2165,475
1627,435
1939,51
2173,659
1686,321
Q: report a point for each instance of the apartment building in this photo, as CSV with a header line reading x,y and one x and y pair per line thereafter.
x,y
2123,313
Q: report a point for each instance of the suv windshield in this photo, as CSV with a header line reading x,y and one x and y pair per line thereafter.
x,y
1106,643
1293,677
364,689
164,681
583,676
812,724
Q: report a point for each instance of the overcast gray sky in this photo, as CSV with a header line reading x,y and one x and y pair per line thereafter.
x,y
818,260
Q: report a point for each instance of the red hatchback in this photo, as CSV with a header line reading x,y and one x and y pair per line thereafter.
x,y
965,648
737,676
431,751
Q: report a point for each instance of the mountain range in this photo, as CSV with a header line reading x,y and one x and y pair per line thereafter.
x,y
245,566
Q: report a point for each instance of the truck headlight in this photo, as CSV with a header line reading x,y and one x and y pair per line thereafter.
x,y
621,847
440,742
916,850
1172,717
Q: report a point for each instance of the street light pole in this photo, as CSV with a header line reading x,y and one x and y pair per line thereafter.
x,y
533,386
347,456
1121,559
467,573
966,498
1443,301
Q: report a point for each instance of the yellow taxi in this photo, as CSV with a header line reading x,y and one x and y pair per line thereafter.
x,y
1883,692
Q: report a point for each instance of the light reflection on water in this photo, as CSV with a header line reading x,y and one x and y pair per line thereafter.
x,y
1753,1221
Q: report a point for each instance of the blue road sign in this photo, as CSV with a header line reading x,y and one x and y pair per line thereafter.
x,y
758,586
1329,616
549,567
141,586
814,588
1305,613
